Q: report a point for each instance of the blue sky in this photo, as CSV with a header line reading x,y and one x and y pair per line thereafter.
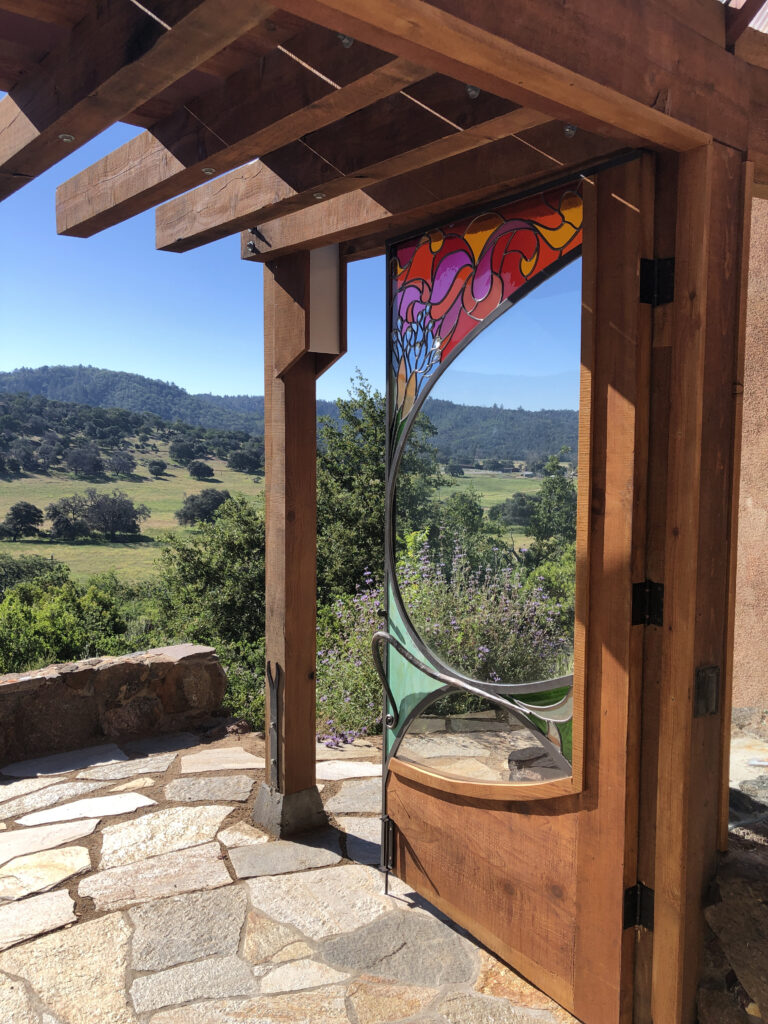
x,y
196,319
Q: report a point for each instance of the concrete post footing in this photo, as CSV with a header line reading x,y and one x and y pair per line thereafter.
x,y
281,814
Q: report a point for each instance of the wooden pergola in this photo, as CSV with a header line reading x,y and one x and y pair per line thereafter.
x,y
320,129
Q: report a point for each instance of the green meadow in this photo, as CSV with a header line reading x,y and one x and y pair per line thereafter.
x,y
133,559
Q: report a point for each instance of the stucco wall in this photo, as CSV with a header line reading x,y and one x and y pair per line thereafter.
x,y
751,638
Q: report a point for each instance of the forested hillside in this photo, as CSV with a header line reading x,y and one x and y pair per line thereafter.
x,y
465,433
111,389
39,434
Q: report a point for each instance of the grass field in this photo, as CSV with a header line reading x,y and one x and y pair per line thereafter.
x,y
162,497
134,561
493,488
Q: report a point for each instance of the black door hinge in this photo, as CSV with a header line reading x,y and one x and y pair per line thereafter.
x,y
657,281
638,907
706,691
647,603
387,843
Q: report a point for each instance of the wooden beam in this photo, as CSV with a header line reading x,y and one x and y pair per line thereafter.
x,y
258,110
758,124
290,452
738,20
553,58
259,193
113,60
367,217
56,12
697,533
752,47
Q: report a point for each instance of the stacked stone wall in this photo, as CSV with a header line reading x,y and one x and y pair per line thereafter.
x,y
63,707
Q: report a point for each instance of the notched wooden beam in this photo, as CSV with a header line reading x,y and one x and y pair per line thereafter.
x,y
395,136
576,62
364,219
306,84
112,61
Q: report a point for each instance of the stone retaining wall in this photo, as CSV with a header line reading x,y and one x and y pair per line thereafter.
x,y
63,707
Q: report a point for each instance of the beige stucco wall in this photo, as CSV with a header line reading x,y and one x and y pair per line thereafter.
x,y
751,637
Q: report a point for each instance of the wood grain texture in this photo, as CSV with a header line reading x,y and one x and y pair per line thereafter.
x,y
113,59
665,200
698,537
608,829
401,138
371,215
676,860
260,109
56,12
553,58
758,125
290,508
506,874
513,857
738,20
489,792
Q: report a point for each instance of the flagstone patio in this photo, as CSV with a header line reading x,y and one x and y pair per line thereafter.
x,y
134,888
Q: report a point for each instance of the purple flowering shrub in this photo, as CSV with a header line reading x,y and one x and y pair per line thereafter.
x,y
349,698
500,623
496,623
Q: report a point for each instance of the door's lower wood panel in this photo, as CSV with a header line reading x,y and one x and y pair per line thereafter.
x,y
507,874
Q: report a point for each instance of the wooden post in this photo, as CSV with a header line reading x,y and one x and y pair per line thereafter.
x,y
289,802
701,368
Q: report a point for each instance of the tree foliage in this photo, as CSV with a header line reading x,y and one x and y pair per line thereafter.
x,y
86,462
121,463
200,508
45,620
351,485
555,512
157,467
29,567
212,583
23,520
113,513
200,470
67,517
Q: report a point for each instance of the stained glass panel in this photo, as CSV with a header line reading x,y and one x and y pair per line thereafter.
x,y
473,636
446,282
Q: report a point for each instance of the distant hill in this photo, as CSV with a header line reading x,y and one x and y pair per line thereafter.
x,y
483,432
113,389
464,431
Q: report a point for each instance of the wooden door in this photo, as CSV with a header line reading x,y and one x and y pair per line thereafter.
x,y
533,849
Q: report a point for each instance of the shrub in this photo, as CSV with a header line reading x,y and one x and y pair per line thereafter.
x,y
200,508
200,470
45,621
349,701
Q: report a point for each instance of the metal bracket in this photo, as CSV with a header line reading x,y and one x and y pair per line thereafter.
x,y
387,843
647,603
639,907
275,719
657,281
387,849
706,691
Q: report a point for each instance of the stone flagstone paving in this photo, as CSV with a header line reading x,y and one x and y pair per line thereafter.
x,y
169,906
